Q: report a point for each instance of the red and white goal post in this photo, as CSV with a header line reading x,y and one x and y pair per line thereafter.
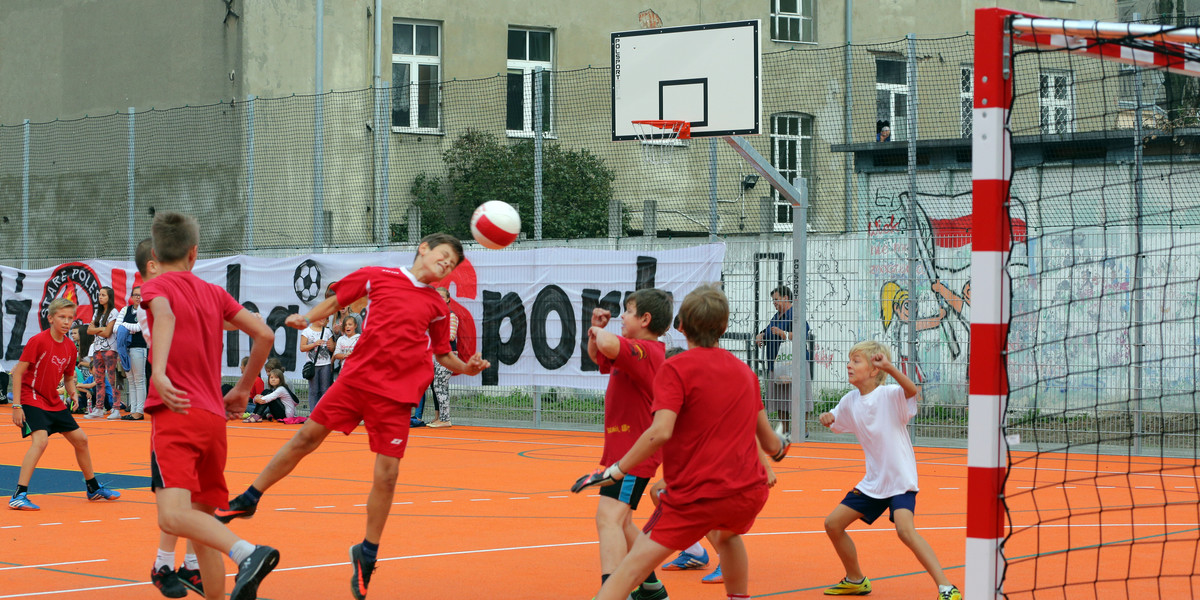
x,y
996,31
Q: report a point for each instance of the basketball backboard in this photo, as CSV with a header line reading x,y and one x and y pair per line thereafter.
x,y
706,74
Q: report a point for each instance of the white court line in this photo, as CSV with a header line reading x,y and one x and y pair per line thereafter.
x,y
832,490
129,518
360,504
316,507
947,488
560,496
91,521
47,524
434,501
397,503
287,508
481,499
520,498
790,491
11,527
58,564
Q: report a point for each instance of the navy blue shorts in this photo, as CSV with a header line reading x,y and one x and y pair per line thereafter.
x,y
628,490
871,508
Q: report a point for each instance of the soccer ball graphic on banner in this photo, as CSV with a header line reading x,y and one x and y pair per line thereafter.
x,y
307,280
495,224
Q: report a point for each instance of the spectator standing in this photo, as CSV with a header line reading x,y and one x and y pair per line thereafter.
x,y
130,319
348,327
317,341
104,355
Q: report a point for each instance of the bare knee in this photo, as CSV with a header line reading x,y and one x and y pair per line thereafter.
x,y
908,535
386,473
612,514
168,522
833,528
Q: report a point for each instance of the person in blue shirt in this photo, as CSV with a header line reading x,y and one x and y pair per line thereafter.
x,y
779,386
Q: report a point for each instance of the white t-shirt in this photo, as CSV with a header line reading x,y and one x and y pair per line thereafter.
x,y
324,357
289,403
345,345
880,420
102,344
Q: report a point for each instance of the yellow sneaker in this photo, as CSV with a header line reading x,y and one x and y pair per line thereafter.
x,y
951,594
845,588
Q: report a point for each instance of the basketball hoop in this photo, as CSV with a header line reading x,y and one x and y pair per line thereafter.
x,y
660,138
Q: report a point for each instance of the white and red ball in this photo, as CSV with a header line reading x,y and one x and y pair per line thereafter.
x,y
495,224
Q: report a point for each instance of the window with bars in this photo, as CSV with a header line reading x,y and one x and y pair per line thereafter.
x,y
791,155
416,76
966,98
891,95
793,21
1056,99
529,49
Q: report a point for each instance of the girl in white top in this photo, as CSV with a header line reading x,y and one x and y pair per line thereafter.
x,y
277,401
317,341
879,414
104,354
345,344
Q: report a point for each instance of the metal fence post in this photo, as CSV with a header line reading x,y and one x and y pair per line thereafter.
x,y
538,74
383,129
25,197
801,386
249,171
713,218
912,229
1135,335
130,193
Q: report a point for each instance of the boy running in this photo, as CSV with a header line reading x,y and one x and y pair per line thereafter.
x,y
878,414
39,411
187,429
408,319
708,412
632,359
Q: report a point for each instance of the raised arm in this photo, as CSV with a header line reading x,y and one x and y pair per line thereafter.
x,y
882,363
325,308
600,319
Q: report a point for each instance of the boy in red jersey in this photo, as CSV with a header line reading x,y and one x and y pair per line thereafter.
x,y
708,411
632,358
187,434
407,320
39,411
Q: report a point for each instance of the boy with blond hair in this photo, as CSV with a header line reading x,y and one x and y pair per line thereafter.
x,y
631,360
878,415
38,410
708,414
187,438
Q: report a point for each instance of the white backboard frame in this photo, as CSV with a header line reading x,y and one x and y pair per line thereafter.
x,y
708,75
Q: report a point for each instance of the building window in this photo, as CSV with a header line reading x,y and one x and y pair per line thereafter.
x,y
891,95
966,98
416,76
791,155
1055,98
793,21
527,50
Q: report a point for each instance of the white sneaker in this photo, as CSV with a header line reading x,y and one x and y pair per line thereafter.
x,y
115,414
96,413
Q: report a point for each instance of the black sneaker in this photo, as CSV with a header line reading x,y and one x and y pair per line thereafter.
x,y
191,579
252,571
167,582
239,508
362,572
641,593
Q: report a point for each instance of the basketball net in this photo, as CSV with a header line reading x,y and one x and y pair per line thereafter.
x,y
661,138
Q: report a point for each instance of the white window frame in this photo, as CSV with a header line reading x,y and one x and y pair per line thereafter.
x,y
1051,105
793,168
795,20
415,62
966,99
897,122
526,67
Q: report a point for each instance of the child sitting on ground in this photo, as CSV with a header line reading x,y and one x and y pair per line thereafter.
x,y
276,402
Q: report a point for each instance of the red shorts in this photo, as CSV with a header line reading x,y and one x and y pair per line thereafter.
x,y
188,452
678,526
344,406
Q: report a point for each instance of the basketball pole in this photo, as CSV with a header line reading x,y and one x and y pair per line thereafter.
x,y
798,198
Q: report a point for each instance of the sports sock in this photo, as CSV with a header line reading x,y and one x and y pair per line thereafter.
x,y
20,488
189,561
240,551
604,578
253,494
92,484
944,588
695,549
848,580
164,559
739,597
651,583
369,551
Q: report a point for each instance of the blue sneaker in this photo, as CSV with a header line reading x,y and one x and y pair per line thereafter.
x,y
687,561
714,577
103,493
21,502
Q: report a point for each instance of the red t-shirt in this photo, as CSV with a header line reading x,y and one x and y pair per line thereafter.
x,y
627,400
408,322
257,387
48,362
194,361
712,452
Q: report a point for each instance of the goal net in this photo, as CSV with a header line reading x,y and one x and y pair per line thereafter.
x,y
1083,449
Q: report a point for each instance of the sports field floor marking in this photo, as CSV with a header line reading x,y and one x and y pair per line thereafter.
x,y
57,564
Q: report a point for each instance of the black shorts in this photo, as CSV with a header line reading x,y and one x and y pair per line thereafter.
x,y
628,490
871,508
50,421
